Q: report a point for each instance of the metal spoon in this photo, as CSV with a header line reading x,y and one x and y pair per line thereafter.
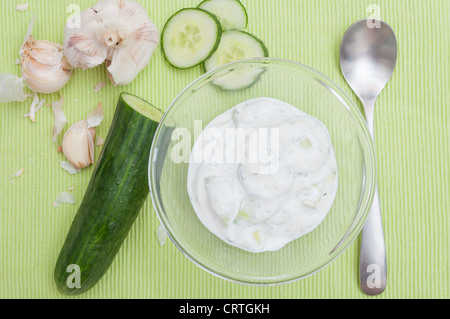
x,y
368,56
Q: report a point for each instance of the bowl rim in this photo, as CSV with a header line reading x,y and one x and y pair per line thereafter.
x,y
370,170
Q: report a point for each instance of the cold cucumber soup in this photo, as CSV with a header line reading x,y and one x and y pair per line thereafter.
x,y
262,174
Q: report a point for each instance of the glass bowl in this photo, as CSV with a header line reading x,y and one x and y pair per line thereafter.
x,y
200,103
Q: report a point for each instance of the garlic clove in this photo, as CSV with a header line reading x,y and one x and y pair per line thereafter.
x,y
37,48
45,69
78,144
44,66
118,32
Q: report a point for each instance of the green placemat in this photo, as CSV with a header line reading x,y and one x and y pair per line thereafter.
x,y
412,134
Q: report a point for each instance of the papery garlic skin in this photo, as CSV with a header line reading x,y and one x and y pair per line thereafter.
x,y
116,32
22,7
11,89
78,144
64,198
45,69
60,118
35,106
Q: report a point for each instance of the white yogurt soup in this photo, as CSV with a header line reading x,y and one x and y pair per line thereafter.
x,y
267,175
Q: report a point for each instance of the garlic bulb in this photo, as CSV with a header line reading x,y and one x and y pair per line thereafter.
x,y
116,32
44,66
78,144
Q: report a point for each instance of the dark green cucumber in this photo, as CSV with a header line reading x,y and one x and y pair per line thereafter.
x,y
113,199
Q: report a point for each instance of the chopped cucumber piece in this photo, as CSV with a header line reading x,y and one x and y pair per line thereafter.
x,y
190,37
237,45
231,13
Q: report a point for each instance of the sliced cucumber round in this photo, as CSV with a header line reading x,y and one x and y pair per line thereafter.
x,y
190,37
231,13
237,45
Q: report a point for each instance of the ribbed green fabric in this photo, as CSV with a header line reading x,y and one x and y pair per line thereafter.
x,y
412,140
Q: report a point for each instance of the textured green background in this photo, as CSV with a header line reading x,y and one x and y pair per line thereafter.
x,y
412,137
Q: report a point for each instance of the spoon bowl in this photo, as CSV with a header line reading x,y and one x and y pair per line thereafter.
x,y
368,57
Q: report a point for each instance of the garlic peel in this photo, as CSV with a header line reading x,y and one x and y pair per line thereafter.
x,y
27,34
60,118
22,7
36,105
161,234
117,32
64,198
17,174
96,117
100,141
69,168
12,88
99,86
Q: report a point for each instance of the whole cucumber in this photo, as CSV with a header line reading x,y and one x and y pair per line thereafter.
x,y
113,199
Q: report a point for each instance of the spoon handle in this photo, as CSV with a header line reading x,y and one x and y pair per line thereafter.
x,y
373,266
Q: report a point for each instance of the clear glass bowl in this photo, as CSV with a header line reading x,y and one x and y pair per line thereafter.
x,y
314,94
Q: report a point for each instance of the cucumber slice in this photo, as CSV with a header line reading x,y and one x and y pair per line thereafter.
x,y
231,13
237,45
190,37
